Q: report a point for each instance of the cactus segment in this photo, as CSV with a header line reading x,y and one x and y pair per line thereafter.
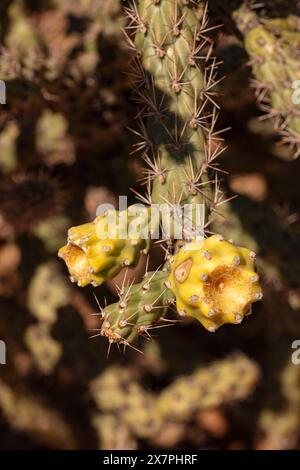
x,y
175,76
146,414
139,309
29,413
215,283
225,381
98,250
273,47
136,406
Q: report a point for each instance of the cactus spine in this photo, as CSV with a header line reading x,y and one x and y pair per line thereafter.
x,y
273,47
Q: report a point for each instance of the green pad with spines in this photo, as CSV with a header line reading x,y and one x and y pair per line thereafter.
x,y
273,46
140,307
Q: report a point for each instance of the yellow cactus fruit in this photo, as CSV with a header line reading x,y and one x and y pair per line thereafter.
x,y
98,250
214,281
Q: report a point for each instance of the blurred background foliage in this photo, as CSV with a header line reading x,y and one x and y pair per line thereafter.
x,y
65,149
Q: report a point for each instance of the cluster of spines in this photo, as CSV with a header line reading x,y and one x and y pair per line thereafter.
x,y
140,309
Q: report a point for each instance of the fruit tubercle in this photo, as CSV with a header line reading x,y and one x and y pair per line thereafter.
x,y
214,282
98,250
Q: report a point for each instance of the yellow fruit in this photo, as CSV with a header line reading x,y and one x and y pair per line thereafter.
x,y
214,281
98,250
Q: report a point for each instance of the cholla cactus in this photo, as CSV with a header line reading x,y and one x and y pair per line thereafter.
x,y
273,47
145,414
225,381
113,434
28,413
136,406
47,293
174,74
45,350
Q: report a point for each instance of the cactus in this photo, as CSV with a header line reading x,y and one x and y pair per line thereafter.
x,y
52,232
115,390
47,293
173,98
279,420
67,109
113,434
145,414
225,381
273,46
139,309
45,351
53,141
215,283
175,76
29,414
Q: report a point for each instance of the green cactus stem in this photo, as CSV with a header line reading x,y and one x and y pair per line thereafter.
x,y
29,414
139,309
175,76
225,381
273,47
